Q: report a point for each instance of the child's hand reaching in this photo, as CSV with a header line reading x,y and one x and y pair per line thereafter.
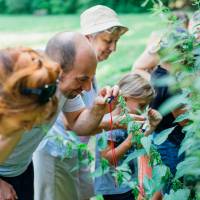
x,y
154,117
128,140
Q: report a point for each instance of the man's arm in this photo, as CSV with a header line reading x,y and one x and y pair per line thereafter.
x,y
86,121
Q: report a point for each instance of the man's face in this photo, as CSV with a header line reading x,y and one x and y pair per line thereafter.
x,y
79,78
104,44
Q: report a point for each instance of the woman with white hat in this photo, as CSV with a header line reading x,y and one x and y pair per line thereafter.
x,y
103,29
101,25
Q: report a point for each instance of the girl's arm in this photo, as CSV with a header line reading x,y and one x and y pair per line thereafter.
x,y
119,150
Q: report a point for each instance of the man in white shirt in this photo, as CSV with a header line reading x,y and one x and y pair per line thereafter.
x,y
78,64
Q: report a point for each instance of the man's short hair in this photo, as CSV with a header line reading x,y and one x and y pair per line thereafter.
x,y
62,49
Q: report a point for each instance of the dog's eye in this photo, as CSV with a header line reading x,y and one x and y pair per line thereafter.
x,y
40,63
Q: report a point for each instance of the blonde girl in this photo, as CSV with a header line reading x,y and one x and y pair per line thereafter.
x,y
138,93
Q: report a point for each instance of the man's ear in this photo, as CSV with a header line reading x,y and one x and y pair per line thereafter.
x,y
14,54
89,37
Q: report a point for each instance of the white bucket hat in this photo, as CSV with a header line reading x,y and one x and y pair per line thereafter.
x,y
99,18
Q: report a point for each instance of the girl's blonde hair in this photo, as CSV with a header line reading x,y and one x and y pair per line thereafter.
x,y
135,86
25,68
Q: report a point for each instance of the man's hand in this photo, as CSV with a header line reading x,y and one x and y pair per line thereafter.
x,y
101,104
7,192
106,92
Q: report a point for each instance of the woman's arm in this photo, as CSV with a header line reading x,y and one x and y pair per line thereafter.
x,y
149,59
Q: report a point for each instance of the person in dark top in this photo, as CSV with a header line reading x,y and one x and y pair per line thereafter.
x,y
170,148
150,61
162,94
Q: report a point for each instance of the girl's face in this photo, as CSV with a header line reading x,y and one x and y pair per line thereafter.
x,y
136,105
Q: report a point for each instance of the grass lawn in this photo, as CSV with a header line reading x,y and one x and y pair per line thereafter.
x,y
35,31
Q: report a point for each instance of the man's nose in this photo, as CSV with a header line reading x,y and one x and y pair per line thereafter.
x,y
87,86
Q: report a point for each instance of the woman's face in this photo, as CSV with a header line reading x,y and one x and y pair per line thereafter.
x,y
104,44
136,105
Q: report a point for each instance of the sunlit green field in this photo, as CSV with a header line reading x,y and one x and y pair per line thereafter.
x,y
35,31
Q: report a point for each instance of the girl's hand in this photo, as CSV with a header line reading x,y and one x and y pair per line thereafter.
x,y
128,140
154,117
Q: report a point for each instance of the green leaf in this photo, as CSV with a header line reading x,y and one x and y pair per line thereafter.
x,y
145,3
185,145
99,197
75,168
182,194
148,185
102,169
102,141
188,166
162,136
182,117
159,171
134,155
172,103
166,80
146,143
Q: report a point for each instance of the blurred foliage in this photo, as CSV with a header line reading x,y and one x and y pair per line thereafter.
x,y
13,6
42,7
2,6
180,49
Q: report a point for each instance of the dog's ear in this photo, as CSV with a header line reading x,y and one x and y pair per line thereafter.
x,y
6,65
23,57
14,54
